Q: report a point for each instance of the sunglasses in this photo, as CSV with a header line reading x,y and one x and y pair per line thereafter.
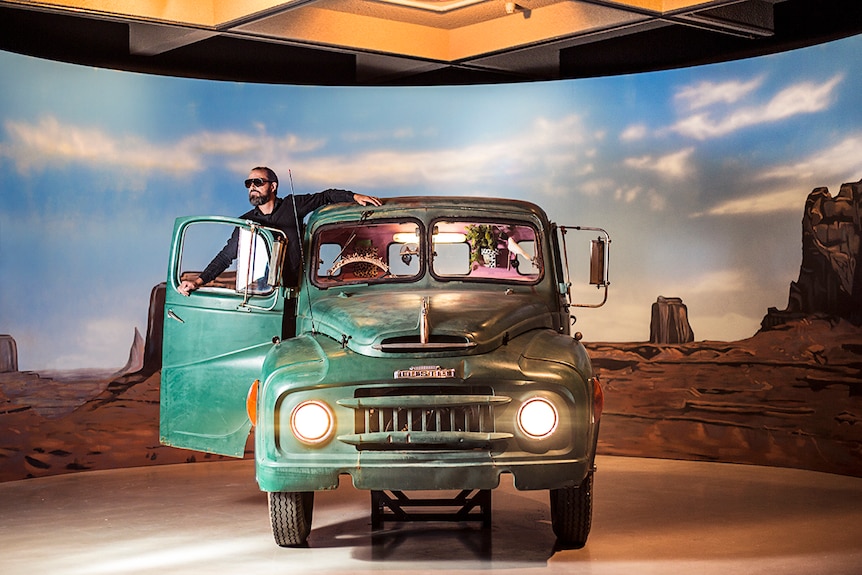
x,y
257,182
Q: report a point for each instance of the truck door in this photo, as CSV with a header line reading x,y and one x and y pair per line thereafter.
x,y
215,339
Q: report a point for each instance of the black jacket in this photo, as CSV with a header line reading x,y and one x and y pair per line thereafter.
x,y
282,218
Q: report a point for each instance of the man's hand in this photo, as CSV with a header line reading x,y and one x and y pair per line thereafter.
x,y
366,200
186,287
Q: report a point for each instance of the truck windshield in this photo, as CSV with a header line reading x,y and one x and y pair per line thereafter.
x,y
382,252
368,253
488,250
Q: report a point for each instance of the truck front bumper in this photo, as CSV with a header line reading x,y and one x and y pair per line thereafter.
x,y
421,471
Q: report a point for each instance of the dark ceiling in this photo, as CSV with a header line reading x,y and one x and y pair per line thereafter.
x,y
414,42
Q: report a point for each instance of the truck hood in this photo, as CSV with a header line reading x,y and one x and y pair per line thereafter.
x,y
476,321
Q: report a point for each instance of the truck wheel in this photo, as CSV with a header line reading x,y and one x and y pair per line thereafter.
x,y
572,513
290,516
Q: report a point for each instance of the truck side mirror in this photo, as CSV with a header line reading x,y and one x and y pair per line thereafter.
x,y
276,261
252,271
599,256
598,262
259,267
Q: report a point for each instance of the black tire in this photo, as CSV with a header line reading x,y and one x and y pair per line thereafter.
x,y
572,513
290,517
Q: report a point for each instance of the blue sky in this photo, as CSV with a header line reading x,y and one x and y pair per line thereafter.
x,y
700,176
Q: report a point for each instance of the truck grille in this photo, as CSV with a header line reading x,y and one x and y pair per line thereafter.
x,y
440,417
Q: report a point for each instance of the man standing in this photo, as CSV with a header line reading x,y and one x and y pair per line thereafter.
x,y
274,212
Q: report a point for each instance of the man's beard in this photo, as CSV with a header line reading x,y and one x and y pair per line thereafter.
x,y
258,199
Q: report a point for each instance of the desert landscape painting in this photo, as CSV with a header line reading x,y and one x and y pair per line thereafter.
x,y
733,326
789,396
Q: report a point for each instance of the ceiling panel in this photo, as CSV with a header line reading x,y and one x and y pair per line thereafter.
x,y
414,42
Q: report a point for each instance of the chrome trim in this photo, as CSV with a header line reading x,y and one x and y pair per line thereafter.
x,y
456,439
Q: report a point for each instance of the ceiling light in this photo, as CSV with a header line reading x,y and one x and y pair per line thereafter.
x,y
434,5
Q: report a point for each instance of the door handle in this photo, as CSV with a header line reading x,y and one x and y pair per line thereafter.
x,y
172,315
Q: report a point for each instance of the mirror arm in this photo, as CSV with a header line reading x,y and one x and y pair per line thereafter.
x,y
604,300
567,279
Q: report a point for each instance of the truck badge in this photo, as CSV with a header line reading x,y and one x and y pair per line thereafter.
x,y
425,372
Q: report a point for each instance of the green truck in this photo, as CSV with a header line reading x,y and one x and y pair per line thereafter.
x,y
432,352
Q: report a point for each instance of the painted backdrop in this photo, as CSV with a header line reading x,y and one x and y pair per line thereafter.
x,y
699,175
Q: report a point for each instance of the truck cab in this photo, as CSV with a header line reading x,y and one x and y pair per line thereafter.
x,y
432,351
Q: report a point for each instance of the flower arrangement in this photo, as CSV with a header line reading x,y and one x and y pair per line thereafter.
x,y
482,237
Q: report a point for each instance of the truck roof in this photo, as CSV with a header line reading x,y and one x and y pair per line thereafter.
x,y
438,205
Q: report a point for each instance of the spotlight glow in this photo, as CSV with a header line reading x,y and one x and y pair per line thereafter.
x,y
538,418
312,422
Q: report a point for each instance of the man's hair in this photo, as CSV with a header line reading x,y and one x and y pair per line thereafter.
x,y
270,175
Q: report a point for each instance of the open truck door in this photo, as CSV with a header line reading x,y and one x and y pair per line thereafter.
x,y
215,339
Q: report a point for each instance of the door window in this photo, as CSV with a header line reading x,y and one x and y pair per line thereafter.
x,y
247,259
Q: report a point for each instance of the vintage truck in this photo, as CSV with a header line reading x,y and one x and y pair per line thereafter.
x,y
432,352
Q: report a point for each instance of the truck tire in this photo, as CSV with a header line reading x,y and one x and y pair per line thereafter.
x,y
572,513
290,516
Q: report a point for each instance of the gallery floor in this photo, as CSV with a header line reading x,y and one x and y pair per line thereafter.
x,y
650,517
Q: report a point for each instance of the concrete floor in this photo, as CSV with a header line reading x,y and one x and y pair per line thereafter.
x,y
650,516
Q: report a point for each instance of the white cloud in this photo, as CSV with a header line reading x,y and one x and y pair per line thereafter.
x,y
596,187
51,143
633,133
674,165
405,133
840,161
758,203
657,202
802,98
585,170
788,184
704,94
628,195
555,148
387,167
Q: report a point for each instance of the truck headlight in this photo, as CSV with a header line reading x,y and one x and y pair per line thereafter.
x,y
312,422
538,418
